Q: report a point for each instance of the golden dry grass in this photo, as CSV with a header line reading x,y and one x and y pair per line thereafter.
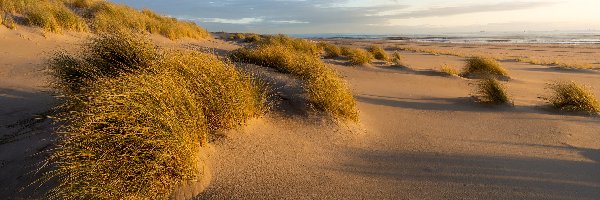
x,y
300,45
359,56
449,70
572,96
326,90
491,91
555,62
330,50
101,16
378,53
397,59
134,116
133,137
484,66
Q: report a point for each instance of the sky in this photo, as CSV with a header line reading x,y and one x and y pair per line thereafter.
x,y
381,16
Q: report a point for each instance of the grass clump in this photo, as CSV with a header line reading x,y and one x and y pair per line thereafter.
x,y
106,56
449,70
571,96
345,51
52,16
253,38
300,45
378,53
98,16
491,91
325,89
330,50
397,59
229,98
134,137
484,66
359,56
107,17
135,116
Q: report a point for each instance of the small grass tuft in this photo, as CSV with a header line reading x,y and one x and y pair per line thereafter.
x,y
378,53
572,96
449,70
253,38
330,50
484,66
397,59
359,56
491,91
345,51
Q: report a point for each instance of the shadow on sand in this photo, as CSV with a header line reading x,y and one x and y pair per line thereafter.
x,y
466,104
481,177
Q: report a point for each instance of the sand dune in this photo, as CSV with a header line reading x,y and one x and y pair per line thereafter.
x,y
420,137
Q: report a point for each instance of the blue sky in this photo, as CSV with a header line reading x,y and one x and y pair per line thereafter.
x,y
381,16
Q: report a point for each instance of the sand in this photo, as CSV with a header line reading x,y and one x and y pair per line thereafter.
x,y
420,137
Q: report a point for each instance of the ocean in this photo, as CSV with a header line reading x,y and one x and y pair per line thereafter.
x,y
584,37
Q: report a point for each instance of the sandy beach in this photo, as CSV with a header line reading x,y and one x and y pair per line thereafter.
x,y
420,135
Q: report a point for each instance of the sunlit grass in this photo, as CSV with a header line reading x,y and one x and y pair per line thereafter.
x,y
358,56
397,59
326,90
555,62
98,16
330,50
449,70
572,96
484,66
491,91
135,116
378,53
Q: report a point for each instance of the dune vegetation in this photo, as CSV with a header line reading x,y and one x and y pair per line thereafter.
x,y
484,66
97,16
135,116
330,50
397,59
326,90
491,91
572,96
378,53
358,56
449,70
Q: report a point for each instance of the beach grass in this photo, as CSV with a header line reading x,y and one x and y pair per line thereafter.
x,y
449,70
330,50
490,91
326,90
397,59
134,116
97,16
572,96
484,66
378,53
358,56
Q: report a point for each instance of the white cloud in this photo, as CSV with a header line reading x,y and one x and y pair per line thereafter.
x,y
247,20
288,22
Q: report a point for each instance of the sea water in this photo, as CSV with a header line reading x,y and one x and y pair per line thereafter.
x,y
557,37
